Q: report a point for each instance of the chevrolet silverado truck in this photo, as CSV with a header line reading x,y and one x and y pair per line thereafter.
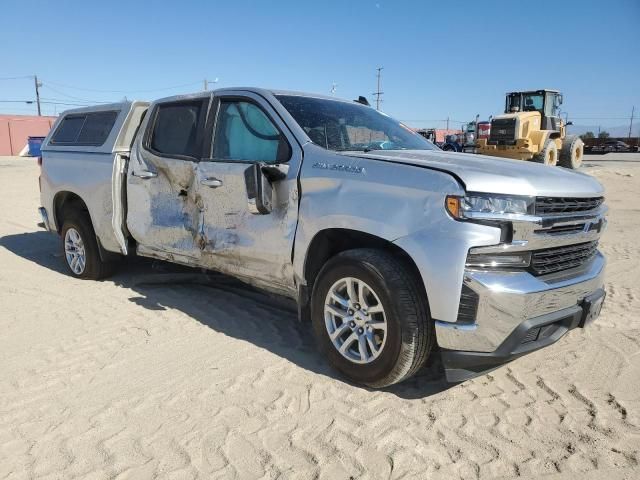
x,y
392,248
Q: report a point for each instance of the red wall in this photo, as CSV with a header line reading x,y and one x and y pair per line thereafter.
x,y
14,130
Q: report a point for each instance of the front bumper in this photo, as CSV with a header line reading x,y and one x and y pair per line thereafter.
x,y
509,305
506,151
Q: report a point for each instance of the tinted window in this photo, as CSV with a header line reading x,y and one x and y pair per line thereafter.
x,y
338,125
97,127
175,130
85,129
245,133
69,129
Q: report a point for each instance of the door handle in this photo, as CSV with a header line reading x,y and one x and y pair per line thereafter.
x,y
211,182
146,174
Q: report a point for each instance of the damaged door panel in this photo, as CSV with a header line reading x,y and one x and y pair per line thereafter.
x,y
236,238
164,205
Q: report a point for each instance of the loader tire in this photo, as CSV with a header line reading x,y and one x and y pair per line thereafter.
x,y
548,155
572,152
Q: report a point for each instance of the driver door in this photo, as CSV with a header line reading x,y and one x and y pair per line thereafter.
x,y
244,130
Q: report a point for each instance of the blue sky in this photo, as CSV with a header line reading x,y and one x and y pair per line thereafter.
x,y
439,60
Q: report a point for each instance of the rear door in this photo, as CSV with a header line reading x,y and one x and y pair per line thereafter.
x,y
164,212
244,130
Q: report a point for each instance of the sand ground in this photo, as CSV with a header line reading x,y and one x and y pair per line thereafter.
x,y
170,374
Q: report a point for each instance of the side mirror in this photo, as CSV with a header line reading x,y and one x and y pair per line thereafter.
x,y
259,191
568,123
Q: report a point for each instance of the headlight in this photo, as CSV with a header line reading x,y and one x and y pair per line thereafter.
x,y
480,203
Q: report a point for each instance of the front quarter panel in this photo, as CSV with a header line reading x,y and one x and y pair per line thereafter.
x,y
397,202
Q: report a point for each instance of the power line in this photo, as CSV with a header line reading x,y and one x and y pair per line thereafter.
x,y
68,104
73,97
123,91
49,101
16,78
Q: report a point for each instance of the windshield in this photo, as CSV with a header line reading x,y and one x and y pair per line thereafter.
x,y
341,126
531,102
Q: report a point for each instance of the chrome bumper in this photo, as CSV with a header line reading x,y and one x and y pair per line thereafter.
x,y
507,299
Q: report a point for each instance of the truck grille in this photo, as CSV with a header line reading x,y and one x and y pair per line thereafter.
x,y
503,131
559,205
562,258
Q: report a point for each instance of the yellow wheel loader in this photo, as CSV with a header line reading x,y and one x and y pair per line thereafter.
x,y
532,129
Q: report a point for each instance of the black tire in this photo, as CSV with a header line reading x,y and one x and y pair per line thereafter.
x,y
94,267
410,331
548,155
572,152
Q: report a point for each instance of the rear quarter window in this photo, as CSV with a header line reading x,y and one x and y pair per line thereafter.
x,y
85,129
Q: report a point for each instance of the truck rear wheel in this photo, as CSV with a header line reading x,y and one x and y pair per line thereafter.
x,y
548,155
572,152
80,248
371,318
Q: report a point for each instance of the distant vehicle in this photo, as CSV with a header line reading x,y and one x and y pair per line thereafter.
x,y
465,142
484,130
388,244
531,129
429,134
611,146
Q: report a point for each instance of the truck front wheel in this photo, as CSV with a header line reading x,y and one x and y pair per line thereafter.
x,y
371,318
80,248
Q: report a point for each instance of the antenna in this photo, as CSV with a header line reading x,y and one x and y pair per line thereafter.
x,y
334,87
378,94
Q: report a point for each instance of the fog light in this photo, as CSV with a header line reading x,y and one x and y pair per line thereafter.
x,y
498,260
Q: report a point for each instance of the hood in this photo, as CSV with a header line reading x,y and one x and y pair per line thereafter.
x,y
481,173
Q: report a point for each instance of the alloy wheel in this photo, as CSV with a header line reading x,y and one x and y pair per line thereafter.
x,y
355,320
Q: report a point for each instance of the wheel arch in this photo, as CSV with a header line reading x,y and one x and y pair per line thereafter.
x,y
555,135
66,200
329,242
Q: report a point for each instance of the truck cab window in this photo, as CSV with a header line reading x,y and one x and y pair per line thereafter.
x,y
175,129
244,133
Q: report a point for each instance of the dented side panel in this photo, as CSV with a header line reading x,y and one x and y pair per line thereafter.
x,y
175,215
399,203
164,212
241,243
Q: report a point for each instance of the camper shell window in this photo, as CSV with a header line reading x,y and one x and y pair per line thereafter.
x,y
85,128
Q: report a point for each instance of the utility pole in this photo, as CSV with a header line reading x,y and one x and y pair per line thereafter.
x,y
207,82
447,124
633,110
378,93
38,85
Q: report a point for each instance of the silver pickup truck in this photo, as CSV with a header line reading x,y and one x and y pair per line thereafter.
x,y
392,248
